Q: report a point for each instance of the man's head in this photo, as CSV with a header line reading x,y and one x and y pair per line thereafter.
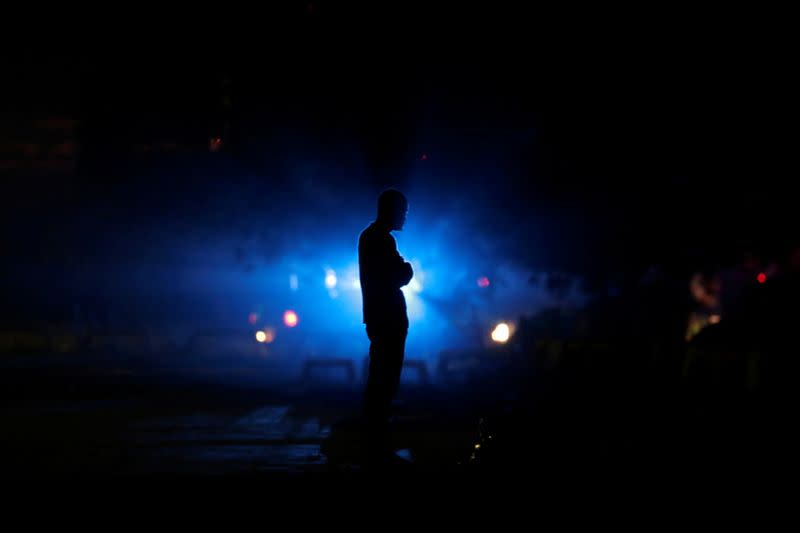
x,y
392,209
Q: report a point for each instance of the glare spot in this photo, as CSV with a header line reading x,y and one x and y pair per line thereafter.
x,y
330,279
501,333
290,319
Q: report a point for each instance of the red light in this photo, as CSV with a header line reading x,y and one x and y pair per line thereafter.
x,y
762,278
424,157
483,282
252,318
290,319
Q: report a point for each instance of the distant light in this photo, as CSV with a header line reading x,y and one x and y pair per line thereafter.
x,y
261,336
293,283
290,319
762,278
269,335
215,144
714,319
478,446
415,285
483,282
423,157
252,318
501,333
330,279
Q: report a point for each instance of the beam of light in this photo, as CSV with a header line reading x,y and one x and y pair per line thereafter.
x,y
330,279
501,333
290,319
415,285
483,282
414,305
293,282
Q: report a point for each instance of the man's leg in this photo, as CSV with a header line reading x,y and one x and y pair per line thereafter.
x,y
395,351
387,346
373,401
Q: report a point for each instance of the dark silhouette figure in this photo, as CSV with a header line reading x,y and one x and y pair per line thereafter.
x,y
383,272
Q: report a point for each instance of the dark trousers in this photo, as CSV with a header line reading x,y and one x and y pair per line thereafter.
x,y
386,353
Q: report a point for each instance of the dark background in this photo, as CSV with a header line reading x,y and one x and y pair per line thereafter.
x,y
605,146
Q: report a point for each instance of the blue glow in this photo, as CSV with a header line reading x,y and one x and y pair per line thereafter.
x,y
447,309
415,286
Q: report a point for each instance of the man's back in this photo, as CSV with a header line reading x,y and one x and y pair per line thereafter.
x,y
383,272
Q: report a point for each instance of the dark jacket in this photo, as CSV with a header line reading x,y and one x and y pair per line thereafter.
x,y
383,272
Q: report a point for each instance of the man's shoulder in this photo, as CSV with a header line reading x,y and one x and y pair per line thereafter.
x,y
366,232
365,235
372,234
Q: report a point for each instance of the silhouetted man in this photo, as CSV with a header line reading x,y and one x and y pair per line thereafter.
x,y
383,272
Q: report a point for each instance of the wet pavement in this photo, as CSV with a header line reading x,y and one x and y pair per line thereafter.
x,y
92,421
266,439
